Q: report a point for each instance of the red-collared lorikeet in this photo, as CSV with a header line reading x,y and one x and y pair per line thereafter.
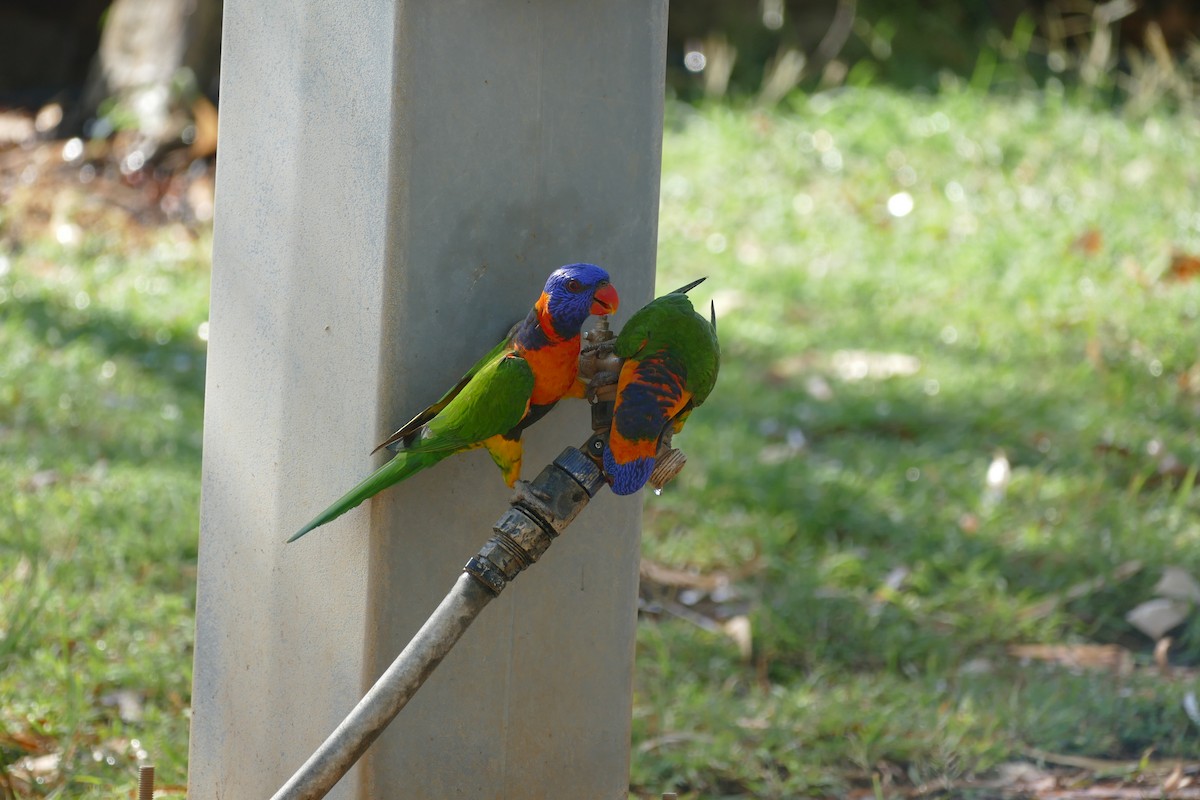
x,y
671,361
508,390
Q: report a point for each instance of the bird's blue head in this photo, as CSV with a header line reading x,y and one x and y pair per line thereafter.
x,y
572,294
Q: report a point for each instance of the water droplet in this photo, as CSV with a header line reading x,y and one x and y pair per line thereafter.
x,y
48,117
68,234
749,252
772,14
133,162
964,225
900,204
72,149
796,439
676,186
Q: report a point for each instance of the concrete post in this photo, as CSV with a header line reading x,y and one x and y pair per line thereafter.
x,y
395,180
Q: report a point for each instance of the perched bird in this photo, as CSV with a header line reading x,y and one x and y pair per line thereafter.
x,y
508,390
671,361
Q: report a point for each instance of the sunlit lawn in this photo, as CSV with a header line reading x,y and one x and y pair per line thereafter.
x,y
101,391
911,290
1013,252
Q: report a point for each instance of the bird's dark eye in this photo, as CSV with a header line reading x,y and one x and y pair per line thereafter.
x,y
574,286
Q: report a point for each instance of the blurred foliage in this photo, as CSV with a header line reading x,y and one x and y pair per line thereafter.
x,y
916,293
905,43
101,396
956,423
1119,51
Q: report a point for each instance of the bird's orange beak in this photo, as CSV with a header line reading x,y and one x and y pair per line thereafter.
x,y
605,300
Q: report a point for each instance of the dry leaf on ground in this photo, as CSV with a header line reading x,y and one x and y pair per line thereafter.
x,y
1183,267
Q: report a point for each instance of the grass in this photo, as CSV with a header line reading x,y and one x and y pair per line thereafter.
x,y
1026,295
1028,288
101,390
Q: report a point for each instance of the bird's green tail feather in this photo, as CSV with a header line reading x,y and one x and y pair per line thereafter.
x,y
394,471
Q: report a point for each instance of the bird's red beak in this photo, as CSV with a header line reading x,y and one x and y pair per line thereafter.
x,y
605,300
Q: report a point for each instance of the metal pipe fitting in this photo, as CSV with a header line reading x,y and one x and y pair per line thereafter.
x,y
538,513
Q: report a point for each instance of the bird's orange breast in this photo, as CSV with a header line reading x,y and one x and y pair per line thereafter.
x,y
554,369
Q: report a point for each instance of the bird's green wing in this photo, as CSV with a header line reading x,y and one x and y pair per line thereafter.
x,y
671,323
493,402
652,324
702,352
411,427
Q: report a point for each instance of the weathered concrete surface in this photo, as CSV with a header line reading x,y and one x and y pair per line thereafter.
x,y
395,181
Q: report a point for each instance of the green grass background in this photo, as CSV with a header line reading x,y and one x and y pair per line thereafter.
x,y
1027,286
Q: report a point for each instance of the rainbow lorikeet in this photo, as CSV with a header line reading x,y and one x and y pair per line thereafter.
x,y
671,361
507,390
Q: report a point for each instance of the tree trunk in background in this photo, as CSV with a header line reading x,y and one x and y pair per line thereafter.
x,y
156,57
45,47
